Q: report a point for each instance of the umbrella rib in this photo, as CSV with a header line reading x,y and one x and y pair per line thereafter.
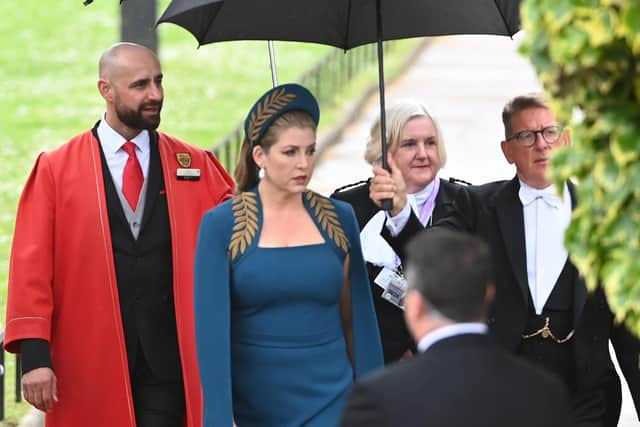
x,y
208,26
504,20
346,33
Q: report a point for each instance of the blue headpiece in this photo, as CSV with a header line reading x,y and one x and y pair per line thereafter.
x,y
273,104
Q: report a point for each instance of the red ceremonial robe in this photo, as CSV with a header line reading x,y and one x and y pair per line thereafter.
x,y
62,283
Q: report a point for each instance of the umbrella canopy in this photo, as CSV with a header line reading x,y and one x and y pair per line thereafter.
x,y
341,23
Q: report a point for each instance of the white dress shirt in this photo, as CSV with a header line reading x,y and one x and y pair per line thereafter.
x,y
546,217
449,331
116,157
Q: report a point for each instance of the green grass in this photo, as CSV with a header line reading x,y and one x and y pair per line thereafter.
x,y
48,75
394,63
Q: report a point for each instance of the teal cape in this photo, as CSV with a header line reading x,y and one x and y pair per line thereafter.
x,y
228,234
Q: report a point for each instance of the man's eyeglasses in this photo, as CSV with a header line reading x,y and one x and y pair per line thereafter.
x,y
526,138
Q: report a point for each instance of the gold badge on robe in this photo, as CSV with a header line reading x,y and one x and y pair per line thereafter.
x,y
184,159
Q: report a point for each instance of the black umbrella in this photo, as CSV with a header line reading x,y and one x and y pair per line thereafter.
x,y
342,23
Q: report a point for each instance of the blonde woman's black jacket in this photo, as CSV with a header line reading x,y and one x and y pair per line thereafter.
x,y
393,331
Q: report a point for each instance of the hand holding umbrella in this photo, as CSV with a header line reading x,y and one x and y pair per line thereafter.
x,y
388,184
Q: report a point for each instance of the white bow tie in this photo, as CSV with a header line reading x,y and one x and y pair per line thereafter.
x,y
528,195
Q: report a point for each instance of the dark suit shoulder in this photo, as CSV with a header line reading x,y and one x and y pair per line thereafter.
x,y
488,189
492,193
460,346
465,375
352,192
357,195
449,190
453,206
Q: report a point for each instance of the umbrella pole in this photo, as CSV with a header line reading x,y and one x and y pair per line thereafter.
x,y
272,61
383,120
387,204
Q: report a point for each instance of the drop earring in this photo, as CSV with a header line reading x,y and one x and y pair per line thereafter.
x,y
261,172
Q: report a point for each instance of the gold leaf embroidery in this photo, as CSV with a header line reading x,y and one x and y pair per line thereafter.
x,y
270,106
245,223
328,219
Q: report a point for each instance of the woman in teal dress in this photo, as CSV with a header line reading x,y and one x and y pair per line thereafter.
x,y
284,316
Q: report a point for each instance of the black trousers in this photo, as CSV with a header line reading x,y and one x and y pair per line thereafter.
x,y
157,402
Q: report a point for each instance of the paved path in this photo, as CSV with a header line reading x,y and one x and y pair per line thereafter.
x,y
465,81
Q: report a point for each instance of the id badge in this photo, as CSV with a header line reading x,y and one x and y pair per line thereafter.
x,y
384,277
395,287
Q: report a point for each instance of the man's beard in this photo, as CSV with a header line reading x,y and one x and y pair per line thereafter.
x,y
135,119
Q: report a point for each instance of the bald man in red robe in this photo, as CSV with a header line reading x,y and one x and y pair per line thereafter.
x,y
100,303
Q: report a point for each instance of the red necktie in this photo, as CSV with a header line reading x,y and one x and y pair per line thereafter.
x,y
132,177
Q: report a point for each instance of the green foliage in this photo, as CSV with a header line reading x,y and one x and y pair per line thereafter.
x,y
587,56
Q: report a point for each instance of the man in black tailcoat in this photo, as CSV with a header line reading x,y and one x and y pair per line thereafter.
x,y
542,310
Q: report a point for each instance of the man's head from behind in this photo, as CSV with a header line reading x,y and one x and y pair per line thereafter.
x,y
450,280
130,81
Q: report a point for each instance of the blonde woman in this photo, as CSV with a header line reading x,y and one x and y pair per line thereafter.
x,y
420,198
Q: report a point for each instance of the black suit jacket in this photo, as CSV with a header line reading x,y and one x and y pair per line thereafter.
x,y
494,212
497,217
144,274
396,339
464,380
